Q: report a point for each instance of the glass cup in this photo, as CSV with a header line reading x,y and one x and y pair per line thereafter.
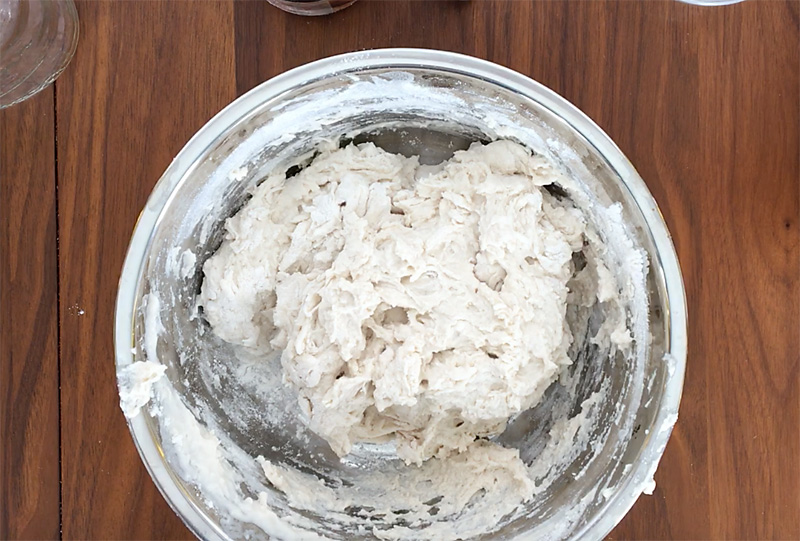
x,y
37,41
311,7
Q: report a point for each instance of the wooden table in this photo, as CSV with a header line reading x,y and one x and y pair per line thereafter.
x,y
704,101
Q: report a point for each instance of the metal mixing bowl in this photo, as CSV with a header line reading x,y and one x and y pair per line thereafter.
x,y
428,103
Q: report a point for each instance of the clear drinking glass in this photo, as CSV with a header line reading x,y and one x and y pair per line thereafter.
x,y
311,7
37,41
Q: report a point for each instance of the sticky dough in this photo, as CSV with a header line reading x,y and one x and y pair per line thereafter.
x,y
415,304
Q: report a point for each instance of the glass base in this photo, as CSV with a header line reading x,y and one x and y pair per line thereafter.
x,y
311,7
37,41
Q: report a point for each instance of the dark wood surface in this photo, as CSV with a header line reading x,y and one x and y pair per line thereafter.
x,y
29,397
704,101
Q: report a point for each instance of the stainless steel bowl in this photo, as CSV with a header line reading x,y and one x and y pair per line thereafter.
x,y
411,101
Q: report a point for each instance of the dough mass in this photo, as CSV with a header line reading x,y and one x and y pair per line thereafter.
x,y
414,304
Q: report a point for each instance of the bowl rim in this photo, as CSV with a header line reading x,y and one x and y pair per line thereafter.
x,y
143,434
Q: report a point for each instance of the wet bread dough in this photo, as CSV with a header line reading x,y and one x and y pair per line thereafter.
x,y
415,304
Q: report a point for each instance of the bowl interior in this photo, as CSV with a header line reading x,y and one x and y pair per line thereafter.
x,y
430,112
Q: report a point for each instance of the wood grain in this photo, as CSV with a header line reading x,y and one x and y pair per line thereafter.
x,y
721,157
704,101
29,439
146,76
